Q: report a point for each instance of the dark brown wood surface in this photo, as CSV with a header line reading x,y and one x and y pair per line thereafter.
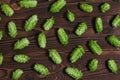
x,y
41,55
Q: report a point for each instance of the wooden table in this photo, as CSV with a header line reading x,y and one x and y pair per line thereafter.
x,y
39,55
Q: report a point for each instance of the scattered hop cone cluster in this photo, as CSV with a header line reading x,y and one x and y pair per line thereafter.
x,y
63,37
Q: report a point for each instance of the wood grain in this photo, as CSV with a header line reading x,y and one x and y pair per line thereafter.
x,y
41,55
